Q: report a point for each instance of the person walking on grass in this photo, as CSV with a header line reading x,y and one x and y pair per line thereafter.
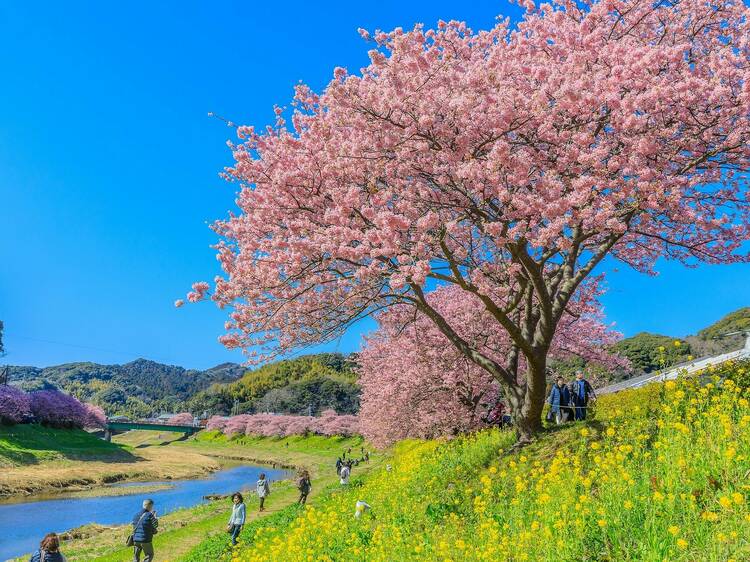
x,y
559,398
49,550
344,474
339,464
263,490
145,526
304,486
581,392
237,519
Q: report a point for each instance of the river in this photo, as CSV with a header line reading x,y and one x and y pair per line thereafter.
x,y
24,523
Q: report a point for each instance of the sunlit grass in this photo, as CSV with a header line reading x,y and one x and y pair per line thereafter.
x,y
659,473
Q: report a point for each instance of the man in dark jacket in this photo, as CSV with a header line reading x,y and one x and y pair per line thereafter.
x,y
145,526
559,398
580,393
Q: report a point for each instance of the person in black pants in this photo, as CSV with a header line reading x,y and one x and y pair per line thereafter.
x,y
145,526
581,391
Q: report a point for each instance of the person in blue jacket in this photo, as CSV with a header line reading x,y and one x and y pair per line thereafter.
x,y
145,526
49,550
581,392
559,399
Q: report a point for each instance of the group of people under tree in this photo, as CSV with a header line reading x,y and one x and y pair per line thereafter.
x,y
569,401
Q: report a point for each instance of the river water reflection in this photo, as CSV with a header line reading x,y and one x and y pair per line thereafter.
x,y
23,524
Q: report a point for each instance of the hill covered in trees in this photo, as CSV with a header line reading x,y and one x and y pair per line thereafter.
x,y
648,352
136,389
311,383
304,385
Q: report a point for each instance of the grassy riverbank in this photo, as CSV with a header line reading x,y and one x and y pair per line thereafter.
x,y
190,534
36,460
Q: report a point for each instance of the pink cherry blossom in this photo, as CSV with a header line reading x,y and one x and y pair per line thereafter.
x,y
416,384
183,418
507,163
279,425
15,405
95,417
57,409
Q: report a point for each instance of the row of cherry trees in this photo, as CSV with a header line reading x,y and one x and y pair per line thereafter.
x,y
269,425
48,407
505,164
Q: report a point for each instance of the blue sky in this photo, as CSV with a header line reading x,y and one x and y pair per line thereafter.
x,y
108,168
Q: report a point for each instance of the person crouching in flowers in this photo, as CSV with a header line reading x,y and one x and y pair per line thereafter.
x,y
359,508
559,398
262,489
237,519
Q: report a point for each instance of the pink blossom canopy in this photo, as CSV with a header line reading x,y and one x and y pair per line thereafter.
x,y
508,163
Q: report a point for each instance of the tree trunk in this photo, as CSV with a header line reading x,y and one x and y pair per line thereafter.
x,y
528,418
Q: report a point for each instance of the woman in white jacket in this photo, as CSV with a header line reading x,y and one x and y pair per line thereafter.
x,y
237,520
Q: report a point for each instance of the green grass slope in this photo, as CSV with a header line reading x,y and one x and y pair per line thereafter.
x,y
33,444
659,473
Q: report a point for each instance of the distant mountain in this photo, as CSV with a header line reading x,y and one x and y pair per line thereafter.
x,y
311,383
138,388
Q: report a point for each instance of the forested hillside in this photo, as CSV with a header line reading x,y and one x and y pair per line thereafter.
x,y
649,352
308,384
136,389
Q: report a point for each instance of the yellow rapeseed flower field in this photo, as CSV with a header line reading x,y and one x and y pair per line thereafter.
x,y
658,473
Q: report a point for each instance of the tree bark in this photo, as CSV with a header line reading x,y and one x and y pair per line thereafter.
x,y
528,416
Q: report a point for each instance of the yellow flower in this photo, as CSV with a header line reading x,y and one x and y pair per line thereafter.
x,y
628,504
601,523
682,543
677,343
670,385
725,502
739,499
674,530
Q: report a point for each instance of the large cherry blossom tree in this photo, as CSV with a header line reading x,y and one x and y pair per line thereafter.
x,y
508,163
416,384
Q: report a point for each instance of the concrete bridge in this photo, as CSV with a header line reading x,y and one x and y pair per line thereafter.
x,y
120,427
683,368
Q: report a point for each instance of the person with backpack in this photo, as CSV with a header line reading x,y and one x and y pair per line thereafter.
x,y
145,526
237,519
339,464
263,490
304,486
49,550
559,398
581,392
